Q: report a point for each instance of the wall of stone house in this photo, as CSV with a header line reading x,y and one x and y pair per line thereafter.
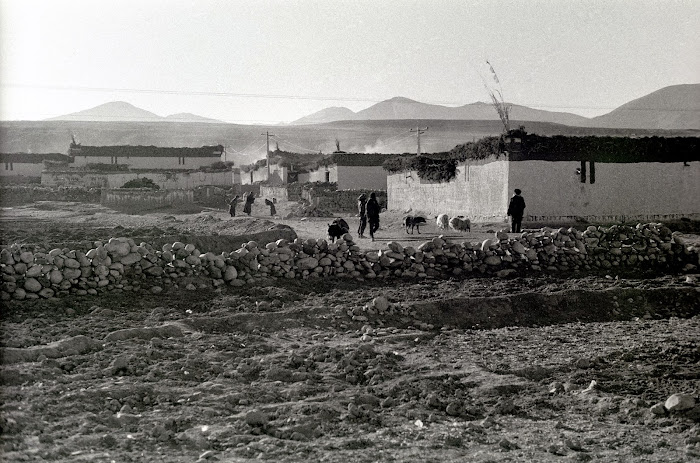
x,y
154,162
372,178
21,169
144,199
277,192
621,192
479,191
278,175
165,180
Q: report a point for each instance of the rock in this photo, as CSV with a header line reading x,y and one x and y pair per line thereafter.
x,y
256,418
32,285
380,303
680,402
658,409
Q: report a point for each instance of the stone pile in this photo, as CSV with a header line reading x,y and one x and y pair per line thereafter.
x,y
122,265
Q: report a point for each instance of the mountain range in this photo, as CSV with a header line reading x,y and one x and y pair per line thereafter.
x,y
676,107
121,111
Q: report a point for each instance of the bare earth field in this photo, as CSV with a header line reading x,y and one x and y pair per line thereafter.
x,y
538,369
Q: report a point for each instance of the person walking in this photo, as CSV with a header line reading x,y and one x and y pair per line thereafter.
x,y
362,212
249,200
373,214
233,204
516,209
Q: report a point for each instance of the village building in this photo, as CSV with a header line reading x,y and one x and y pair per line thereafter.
x,y
146,157
27,166
601,179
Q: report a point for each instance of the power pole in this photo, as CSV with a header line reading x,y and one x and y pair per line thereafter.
x,y
267,153
419,131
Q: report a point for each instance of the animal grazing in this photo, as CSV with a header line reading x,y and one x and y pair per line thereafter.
x,y
412,222
443,221
460,224
337,229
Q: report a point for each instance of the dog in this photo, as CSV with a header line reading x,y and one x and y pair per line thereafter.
x,y
412,222
337,229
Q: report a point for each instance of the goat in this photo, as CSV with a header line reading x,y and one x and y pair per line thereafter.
x,y
443,221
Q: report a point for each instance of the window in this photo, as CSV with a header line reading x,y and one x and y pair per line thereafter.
x,y
328,177
582,170
114,160
8,166
181,160
592,176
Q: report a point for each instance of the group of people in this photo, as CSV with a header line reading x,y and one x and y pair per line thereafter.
x,y
249,199
368,210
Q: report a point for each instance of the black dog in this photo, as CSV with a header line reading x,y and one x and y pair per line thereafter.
x,y
412,222
337,229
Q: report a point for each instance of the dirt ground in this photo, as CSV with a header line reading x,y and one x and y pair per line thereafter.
x,y
539,369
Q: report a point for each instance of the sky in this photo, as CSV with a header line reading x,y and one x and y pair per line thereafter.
x,y
272,61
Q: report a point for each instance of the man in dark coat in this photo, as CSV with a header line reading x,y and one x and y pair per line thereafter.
x,y
373,214
362,212
516,209
249,200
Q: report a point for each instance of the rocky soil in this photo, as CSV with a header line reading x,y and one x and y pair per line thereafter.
x,y
586,368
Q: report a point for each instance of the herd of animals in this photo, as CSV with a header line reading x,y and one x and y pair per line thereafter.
x,y
339,226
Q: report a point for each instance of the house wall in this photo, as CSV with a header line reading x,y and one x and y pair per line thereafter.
x,y
622,191
479,191
361,178
319,175
151,162
277,192
21,169
165,180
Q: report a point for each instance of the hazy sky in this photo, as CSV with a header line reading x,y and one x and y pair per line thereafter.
x,y
267,61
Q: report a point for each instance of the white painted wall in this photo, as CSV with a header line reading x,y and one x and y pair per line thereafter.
x,y
319,175
630,191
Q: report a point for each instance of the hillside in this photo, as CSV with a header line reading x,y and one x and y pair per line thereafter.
x,y
674,107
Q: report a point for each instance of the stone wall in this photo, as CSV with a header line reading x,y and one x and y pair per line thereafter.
x,y
143,199
122,265
165,180
13,195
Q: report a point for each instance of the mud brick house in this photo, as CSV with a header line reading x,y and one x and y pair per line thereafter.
x,y
27,166
611,179
352,171
146,157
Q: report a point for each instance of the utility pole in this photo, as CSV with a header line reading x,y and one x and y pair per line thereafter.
x,y
419,131
267,153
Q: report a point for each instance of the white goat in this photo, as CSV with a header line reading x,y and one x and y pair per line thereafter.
x,y
443,221
460,224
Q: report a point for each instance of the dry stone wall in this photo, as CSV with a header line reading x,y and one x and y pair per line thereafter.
x,y
122,265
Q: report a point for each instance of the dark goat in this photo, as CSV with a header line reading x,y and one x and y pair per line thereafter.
x,y
412,222
337,229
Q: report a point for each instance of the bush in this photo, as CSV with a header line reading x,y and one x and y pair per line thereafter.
x,y
141,183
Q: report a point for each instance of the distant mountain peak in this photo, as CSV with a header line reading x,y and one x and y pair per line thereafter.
x,y
122,111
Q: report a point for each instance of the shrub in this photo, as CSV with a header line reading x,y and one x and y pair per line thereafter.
x,y
141,183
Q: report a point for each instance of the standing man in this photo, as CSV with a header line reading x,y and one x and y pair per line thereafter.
x,y
516,209
249,200
233,204
373,214
362,212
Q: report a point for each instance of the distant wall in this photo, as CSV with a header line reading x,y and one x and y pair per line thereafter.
x,y
165,180
21,169
144,199
479,191
319,175
622,191
151,162
278,175
370,178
